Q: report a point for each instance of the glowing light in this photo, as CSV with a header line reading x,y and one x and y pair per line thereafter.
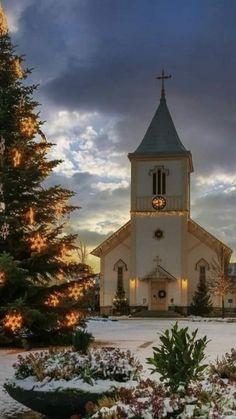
x,y
28,126
53,300
2,277
16,158
184,283
38,242
17,69
30,216
72,318
132,283
3,22
58,210
64,251
13,321
75,291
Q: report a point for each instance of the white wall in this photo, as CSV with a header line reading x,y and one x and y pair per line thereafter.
x,y
109,276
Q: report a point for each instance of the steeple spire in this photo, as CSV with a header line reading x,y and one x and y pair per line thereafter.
x,y
3,21
163,77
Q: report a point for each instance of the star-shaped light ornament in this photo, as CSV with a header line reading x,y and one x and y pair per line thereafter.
x,y
13,321
38,243
3,22
5,231
75,291
72,318
2,146
28,126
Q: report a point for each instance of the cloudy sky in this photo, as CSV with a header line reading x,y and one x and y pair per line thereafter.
x,y
96,62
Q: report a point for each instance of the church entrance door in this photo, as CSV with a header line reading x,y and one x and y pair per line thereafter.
x,y
158,295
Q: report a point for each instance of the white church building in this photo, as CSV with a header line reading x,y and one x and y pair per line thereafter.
x,y
160,254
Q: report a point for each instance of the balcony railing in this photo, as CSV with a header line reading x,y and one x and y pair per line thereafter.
x,y
173,203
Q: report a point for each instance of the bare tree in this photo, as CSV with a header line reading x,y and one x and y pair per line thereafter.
x,y
220,283
82,252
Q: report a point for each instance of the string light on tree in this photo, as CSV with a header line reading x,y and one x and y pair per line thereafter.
x,y
17,69
13,321
72,318
2,278
28,126
58,210
16,158
38,243
5,231
53,300
3,22
30,216
75,292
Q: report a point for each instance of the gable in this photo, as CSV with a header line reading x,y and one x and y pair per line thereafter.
x,y
116,238
207,238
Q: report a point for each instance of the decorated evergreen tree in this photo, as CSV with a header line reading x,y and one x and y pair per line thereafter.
x,y
201,304
35,265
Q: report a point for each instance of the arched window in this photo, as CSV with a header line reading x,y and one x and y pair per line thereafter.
x,y
120,267
159,174
202,266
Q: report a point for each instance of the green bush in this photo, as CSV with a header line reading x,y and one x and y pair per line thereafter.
x,y
179,359
82,340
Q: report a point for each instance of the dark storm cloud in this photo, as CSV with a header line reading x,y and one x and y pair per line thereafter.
x,y
103,56
215,211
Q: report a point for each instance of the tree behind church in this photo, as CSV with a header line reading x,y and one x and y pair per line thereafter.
x,y
220,283
34,248
201,304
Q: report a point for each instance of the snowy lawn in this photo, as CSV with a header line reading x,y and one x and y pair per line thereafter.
x,y
137,335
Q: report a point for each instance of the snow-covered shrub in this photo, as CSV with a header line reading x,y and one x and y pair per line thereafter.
x,y
224,367
150,400
101,364
179,358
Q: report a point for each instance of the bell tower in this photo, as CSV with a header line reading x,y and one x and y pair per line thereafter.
x,y
160,197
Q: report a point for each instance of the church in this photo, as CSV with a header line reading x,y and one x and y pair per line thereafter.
x,y
159,256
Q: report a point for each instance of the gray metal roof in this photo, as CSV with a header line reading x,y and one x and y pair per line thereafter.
x,y
161,135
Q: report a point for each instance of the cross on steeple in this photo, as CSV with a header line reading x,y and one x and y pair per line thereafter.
x,y
163,77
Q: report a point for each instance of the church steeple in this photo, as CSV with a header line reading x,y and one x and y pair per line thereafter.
x,y
161,136
163,77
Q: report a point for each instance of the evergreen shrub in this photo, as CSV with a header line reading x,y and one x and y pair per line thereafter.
x,y
179,358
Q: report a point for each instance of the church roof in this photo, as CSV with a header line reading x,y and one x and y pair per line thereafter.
x,y
194,228
121,234
161,136
159,272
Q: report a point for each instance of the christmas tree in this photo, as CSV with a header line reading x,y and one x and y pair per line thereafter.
x,y
35,264
201,304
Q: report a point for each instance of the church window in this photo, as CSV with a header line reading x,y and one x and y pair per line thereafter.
x,y
154,183
202,274
159,180
202,266
120,278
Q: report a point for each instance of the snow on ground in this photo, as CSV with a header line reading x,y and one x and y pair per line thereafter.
x,y
138,335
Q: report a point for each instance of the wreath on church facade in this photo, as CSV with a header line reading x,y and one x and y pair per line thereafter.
x,y
162,294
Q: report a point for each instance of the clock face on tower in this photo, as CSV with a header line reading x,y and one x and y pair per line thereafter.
x,y
159,202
